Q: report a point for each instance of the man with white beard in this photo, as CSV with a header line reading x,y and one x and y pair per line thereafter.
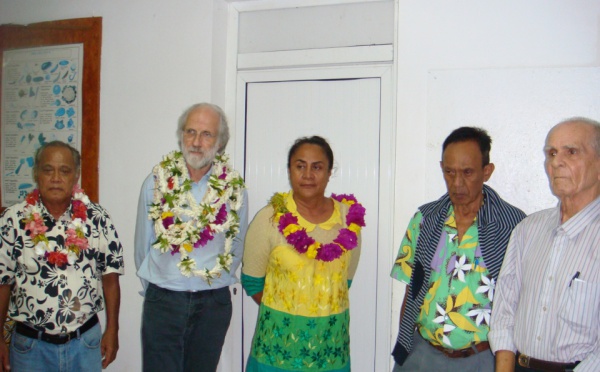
x,y
191,223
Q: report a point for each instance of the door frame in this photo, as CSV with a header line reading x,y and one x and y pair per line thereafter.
x,y
372,61
386,179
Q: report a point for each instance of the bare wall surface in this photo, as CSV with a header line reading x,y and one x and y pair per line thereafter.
x,y
517,107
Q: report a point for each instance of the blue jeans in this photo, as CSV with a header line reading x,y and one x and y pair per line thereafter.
x,y
184,331
79,354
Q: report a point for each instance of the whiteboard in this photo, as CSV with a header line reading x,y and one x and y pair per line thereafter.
x,y
517,107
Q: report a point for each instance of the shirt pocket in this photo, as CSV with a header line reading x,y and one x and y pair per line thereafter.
x,y
578,311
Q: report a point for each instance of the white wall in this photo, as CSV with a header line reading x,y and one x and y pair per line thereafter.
x,y
157,58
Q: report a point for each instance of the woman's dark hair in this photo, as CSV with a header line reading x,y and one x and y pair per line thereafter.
x,y
314,140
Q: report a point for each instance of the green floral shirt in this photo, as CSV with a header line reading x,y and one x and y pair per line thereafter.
x,y
456,311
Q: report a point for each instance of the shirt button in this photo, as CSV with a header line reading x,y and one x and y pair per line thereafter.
x,y
538,338
544,308
550,278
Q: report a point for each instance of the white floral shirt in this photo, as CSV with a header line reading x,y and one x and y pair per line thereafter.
x,y
56,299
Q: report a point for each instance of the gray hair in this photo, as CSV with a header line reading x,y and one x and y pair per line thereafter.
x,y
595,142
223,136
59,144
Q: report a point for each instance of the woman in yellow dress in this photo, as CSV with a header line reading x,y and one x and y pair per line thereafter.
x,y
300,255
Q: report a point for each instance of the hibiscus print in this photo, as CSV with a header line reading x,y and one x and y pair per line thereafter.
x,y
69,305
42,319
54,280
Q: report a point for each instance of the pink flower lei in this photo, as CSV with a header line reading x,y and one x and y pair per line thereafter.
x,y
75,241
297,236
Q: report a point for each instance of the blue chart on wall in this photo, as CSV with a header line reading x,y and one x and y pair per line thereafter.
x,y
41,102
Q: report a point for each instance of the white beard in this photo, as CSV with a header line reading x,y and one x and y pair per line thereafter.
x,y
199,160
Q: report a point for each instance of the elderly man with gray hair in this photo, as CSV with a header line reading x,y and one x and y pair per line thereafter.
x,y
60,262
191,223
547,308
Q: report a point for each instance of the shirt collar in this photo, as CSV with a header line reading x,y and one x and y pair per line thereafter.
x,y
451,219
336,216
205,178
66,216
581,220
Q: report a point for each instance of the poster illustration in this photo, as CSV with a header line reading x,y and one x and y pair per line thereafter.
x,y
41,102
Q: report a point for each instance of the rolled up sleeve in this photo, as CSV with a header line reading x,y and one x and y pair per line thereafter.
x,y
506,298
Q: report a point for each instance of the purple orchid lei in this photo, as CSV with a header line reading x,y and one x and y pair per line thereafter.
x,y
297,236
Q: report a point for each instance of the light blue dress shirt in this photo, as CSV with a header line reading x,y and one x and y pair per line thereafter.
x,y
161,268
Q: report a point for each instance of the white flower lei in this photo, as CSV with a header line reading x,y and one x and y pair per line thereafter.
x,y
187,221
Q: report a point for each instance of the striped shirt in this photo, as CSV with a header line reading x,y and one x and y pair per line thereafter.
x,y
547,302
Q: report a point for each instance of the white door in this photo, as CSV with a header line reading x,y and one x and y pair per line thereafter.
x,y
347,113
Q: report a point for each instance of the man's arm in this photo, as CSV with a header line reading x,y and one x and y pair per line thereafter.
x,y
4,299
404,303
143,227
506,300
403,264
7,272
112,299
505,361
591,363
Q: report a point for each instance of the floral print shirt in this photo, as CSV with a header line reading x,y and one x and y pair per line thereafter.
x,y
55,299
456,311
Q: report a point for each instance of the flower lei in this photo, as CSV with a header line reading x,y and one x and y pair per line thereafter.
x,y
75,242
297,237
181,224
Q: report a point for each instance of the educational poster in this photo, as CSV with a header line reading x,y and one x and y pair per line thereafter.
x,y
41,102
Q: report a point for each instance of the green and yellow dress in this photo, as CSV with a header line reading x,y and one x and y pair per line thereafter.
x,y
303,320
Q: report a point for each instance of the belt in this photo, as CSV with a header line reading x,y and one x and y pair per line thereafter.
x,y
529,362
194,293
463,353
200,292
58,339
